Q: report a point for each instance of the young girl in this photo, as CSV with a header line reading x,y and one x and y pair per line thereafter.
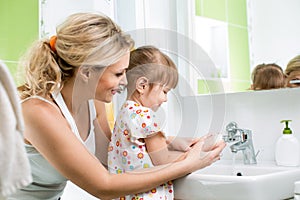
x,y
138,141
267,76
66,77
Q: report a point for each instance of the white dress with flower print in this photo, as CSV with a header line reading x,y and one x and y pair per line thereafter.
x,y
127,151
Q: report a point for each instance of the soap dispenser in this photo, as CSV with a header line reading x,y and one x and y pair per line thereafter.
x,y
287,151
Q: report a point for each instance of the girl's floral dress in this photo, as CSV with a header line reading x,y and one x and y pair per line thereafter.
x,y
127,151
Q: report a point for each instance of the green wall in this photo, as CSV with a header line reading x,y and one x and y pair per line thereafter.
x,y
19,22
234,12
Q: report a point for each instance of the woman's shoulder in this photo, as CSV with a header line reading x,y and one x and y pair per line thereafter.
x,y
37,105
41,116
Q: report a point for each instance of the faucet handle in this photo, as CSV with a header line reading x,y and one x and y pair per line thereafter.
x,y
232,138
232,126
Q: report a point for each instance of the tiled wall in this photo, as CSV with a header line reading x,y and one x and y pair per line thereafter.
x,y
234,12
19,28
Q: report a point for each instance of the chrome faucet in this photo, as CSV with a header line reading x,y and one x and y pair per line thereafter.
x,y
242,139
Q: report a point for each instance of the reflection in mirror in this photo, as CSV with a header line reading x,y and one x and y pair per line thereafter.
x,y
227,44
273,37
293,72
246,32
212,36
268,76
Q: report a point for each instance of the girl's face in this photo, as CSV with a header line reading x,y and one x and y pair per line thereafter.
x,y
294,77
112,79
154,97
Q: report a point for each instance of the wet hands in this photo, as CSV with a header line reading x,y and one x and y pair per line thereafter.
x,y
201,155
210,140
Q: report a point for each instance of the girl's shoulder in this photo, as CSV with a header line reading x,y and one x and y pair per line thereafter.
x,y
134,106
140,118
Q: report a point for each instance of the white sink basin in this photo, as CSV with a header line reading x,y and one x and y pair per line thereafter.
x,y
223,181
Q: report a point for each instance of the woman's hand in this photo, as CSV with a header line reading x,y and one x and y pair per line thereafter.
x,y
199,159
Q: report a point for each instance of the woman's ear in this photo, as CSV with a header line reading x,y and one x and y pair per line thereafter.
x,y
141,84
84,73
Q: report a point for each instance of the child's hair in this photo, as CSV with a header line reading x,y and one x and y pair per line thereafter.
x,y
151,63
84,39
293,65
267,76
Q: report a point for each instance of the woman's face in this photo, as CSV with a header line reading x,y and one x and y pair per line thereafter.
x,y
112,80
293,80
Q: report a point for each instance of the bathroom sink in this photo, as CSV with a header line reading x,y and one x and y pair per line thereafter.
x,y
224,181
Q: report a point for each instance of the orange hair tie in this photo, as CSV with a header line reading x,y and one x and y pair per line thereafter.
x,y
52,43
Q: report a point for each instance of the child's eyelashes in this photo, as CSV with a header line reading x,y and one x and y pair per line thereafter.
x,y
166,91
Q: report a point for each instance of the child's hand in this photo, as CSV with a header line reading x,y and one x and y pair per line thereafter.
x,y
210,141
181,143
199,160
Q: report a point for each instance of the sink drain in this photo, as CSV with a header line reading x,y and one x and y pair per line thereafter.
x,y
239,174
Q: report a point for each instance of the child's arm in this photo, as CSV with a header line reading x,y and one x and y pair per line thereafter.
x,y
181,143
157,148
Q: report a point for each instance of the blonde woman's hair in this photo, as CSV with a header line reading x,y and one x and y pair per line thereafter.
x,y
151,63
84,39
293,65
268,76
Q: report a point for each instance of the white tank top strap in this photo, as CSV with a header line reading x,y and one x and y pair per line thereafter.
x,y
90,141
42,99
65,111
38,97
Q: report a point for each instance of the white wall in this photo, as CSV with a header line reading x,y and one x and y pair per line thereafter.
x,y
274,31
146,14
54,12
259,111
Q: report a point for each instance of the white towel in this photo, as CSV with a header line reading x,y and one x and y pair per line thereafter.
x,y
14,164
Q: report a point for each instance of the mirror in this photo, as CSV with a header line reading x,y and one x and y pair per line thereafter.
x,y
258,31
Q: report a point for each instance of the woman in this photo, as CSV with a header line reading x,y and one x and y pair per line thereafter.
x,y
86,60
292,72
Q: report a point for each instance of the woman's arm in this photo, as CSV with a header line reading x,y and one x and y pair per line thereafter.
x,y
47,130
157,148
